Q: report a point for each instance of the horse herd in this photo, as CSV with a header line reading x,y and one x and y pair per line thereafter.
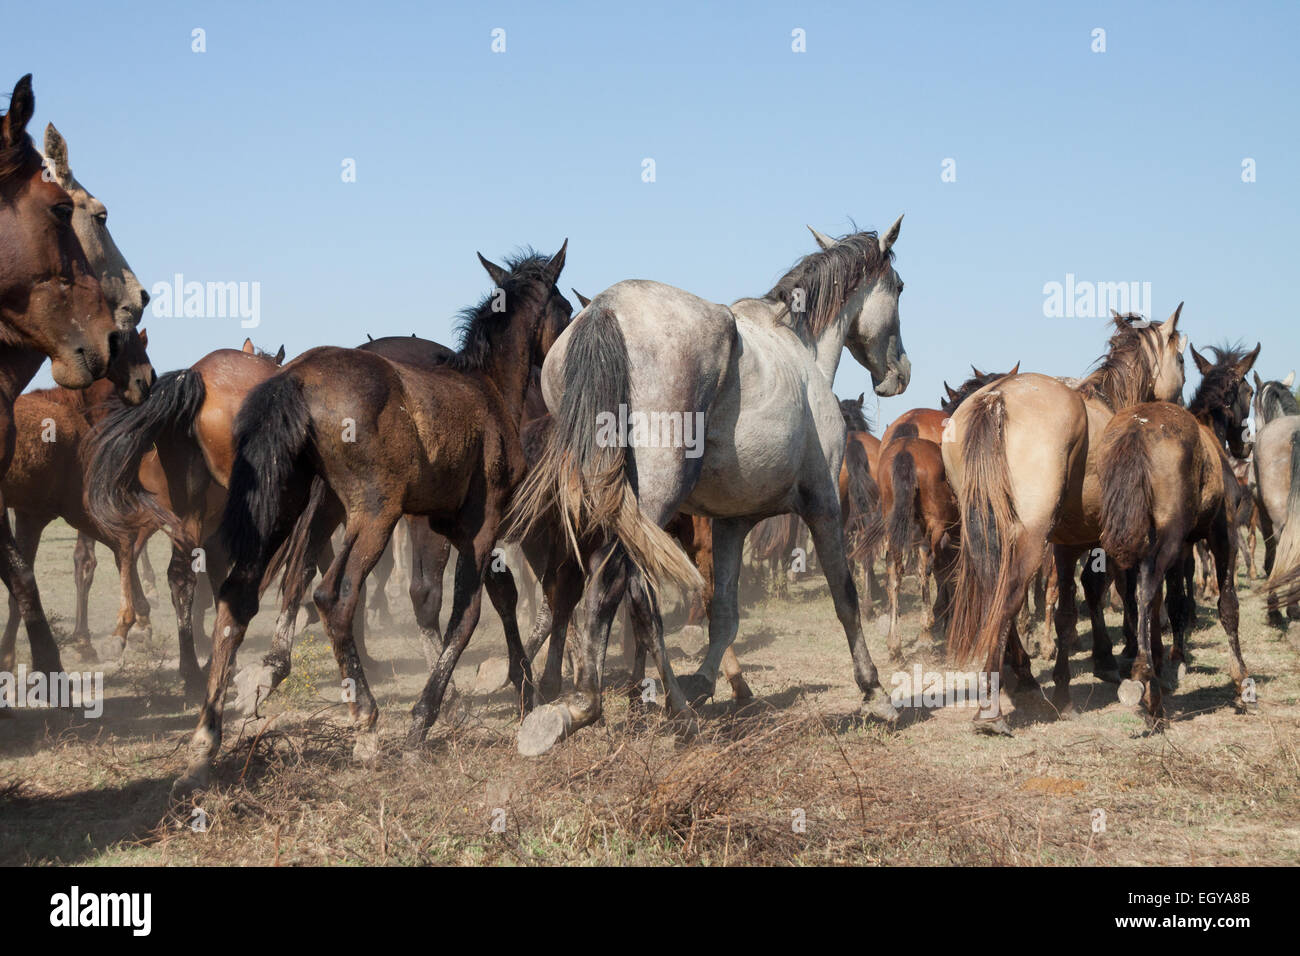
x,y
571,437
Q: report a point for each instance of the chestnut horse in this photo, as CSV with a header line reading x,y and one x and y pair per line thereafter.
x,y
51,305
188,420
370,439
1167,482
1021,455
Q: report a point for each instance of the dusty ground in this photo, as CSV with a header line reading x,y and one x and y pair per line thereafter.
x,y
791,778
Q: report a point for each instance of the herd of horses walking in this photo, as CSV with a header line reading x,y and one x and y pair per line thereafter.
x,y
259,471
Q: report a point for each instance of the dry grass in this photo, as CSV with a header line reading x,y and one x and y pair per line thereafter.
x,y
794,778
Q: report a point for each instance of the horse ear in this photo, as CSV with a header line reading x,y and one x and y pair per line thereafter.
x,y
1014,371
279,356
823,240
1203,365
1258,384
1172,323
978,373
1248,361
582,298
248,346
952,392
494,271
556,265
144,339
862,397
22,104
56,151
890,236
1289,380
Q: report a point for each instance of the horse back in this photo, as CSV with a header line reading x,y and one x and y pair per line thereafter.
x,y
228,376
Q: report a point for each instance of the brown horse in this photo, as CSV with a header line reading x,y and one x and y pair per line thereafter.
x,y
915,496
188,420
46,480
1166,482
1020,453
369,440
51,305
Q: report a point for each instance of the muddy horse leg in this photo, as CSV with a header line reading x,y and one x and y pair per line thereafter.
x,y
83,575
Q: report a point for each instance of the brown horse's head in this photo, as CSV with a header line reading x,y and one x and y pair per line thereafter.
x,y
130,370
532,301
50,299
126,296
1222,400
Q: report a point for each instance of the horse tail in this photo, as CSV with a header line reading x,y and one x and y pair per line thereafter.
x,y
114,497
1284,581
990,527
902,473
591,484
272,432
1127,525
866,524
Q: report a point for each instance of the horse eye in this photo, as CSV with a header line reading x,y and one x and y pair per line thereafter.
x,y
62,212
102,216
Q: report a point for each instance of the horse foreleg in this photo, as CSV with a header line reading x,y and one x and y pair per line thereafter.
x,y
1096,585
83,575
501,591
429,554
1225,567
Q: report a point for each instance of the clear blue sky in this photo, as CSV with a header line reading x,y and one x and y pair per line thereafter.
x,y
1115,166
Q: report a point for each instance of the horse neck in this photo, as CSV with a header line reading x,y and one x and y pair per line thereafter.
x,y
18,366
507,368
1123,380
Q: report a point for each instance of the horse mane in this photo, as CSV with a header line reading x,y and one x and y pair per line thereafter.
x,y
827,278
1219,385
479,323
1276,399
1121,377
855,416
967,389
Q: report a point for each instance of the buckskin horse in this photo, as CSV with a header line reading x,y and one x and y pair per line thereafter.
x,y
1021,455
1277,482
51,305
644,352
1167,482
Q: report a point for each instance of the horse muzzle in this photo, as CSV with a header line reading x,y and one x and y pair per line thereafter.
x,y
896,379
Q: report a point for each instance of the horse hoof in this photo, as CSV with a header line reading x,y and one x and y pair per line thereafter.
x,y
1066,712
1243,707
543,729
878,706
142,632
1275,619
493,674
1130,693
198,776
1106,673
695,688
366,750
116,650
740,690
253,685
995,727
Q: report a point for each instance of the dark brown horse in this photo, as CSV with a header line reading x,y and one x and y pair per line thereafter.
x,y
369,440
188,420
1167,482
51,305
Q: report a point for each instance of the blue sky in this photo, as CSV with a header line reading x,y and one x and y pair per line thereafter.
x,y
1115,167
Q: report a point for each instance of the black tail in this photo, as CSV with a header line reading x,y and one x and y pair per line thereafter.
x,y
114,496
268,481
865,528
900,524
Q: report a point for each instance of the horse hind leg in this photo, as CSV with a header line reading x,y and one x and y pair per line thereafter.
x,y
1225,567
83,574
1096,586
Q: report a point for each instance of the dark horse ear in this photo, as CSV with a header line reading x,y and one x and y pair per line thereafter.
x,y
582,298
22,104
494,271
862,397
1203,364
556,265
279,356
952,393
1248,361
978,373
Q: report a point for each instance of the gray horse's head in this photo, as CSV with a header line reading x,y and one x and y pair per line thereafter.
x,y
1273,399
126,296
873,333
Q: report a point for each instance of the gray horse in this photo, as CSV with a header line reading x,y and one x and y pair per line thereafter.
x,y
1277,492
665,402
